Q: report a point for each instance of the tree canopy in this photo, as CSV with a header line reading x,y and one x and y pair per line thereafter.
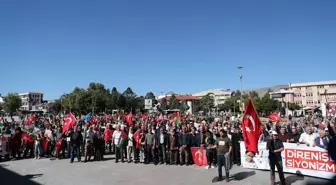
x,y
12,102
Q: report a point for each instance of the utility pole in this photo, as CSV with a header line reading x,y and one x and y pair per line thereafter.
x,y
240,68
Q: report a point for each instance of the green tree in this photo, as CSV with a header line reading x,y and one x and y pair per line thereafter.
x,y
207,103
293,106
12,102
164,104
130,100
266,104
55,107
174,103
183,106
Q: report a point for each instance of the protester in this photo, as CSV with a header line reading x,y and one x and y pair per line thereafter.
x,y
224,147
275,147
321,141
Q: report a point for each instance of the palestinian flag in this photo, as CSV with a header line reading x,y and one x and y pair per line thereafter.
x,y
123,139
1,122
33,136
177,122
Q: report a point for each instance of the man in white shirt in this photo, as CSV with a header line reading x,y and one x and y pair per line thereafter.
x,y
115,142
308,137
48,132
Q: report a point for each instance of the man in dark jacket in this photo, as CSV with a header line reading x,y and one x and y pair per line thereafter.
x,y
161,144
76,139
201,136
193,137
185,142
173,144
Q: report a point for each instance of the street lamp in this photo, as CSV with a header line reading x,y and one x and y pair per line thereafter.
x,y
240,68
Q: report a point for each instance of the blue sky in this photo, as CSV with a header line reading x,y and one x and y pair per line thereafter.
x,y
160,45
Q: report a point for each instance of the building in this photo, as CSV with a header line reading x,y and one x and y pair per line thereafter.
x,y
188,98
310,95
30,99
220,95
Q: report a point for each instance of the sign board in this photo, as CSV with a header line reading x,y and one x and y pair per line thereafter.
x,y
310,161
148,104
278,95
331,98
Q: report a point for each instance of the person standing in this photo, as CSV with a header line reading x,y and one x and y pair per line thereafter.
x,y
49,133
130,146
115,142
88,144
224,147
275,147
108,137
76,139
185,142
149,138
161,141
173,147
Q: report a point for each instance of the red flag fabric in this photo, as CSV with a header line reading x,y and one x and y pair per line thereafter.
x,y
251,127
158,119
136,137
59,145
199,156
177,116
274,117
93,119
129,119
45,142
69,121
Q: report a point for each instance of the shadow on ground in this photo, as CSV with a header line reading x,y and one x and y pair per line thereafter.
x,y
237,177
9,178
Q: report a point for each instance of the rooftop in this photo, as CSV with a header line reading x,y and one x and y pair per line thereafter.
x,y
313,83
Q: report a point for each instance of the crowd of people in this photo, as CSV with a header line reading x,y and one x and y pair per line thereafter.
x,y
154,141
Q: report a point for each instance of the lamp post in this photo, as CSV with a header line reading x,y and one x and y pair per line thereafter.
x,y
240,68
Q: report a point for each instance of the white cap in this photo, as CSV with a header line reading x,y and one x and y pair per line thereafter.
x,y
274,132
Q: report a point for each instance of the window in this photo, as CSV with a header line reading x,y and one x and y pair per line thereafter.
x,y
332,86
297,95
320,86
309,94
318,101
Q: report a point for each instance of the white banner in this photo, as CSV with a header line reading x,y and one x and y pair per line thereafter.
x,y
301,159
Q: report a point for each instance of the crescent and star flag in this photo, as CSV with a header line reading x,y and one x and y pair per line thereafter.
x,y
274,117
136,137
69,121
199,156
129,119
251,127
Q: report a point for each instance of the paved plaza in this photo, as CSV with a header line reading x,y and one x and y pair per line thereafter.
x,y
59,172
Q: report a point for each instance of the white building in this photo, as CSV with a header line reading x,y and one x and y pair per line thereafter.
x,y
220,95
30,99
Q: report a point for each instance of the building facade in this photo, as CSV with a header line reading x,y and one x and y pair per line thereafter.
x,y
310,94
30,99
220,95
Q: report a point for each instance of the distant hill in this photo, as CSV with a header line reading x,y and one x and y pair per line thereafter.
x,y
262,91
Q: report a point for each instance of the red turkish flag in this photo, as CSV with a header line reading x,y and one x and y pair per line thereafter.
x,y
69,121
274,117
199,156
136,137
129,119
251,127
